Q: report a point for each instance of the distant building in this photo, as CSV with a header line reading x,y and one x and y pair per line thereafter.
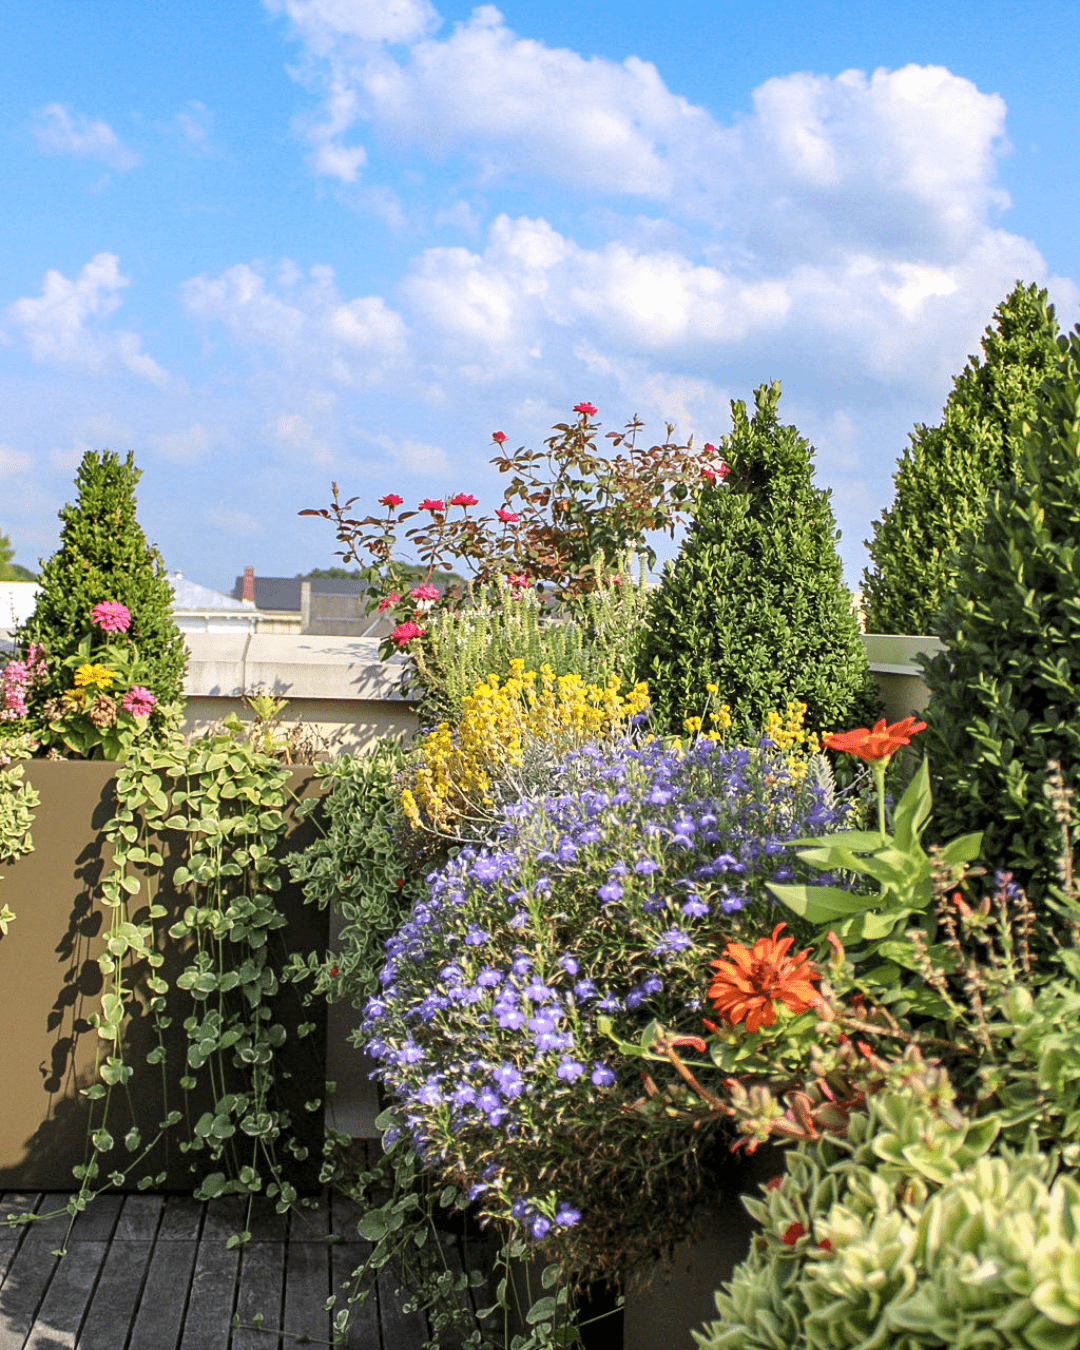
x,y
199,609
327,606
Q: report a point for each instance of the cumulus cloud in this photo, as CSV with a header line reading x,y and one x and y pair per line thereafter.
x,y
303,319
14,462
187,446
63,325
59,131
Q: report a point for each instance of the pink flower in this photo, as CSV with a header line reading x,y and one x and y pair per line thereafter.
x,y
391,499
139,702
432,504
708,473
425,592
388,600
517,581
464,499
499,436
405,632
710,449
586,409
111,616
723,470
507,517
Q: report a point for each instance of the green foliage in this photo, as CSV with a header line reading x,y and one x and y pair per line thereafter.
x,y
228,802
898,863
358,865
595,638
1004,690
104,555
911,1237
948,471
9,570
755,601
17,802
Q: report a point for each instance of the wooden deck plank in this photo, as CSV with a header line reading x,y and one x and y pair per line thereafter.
x,y
98,1220
307,1287
363,1333
139,1218
264,1223
224,1218
23,1289
213,1297
311,1223
65,1303
160,1316
262,1278
116,1298
400,1330
181,1220
50,1231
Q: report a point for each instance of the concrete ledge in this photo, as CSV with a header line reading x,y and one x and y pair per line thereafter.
x,y
289,665
895,654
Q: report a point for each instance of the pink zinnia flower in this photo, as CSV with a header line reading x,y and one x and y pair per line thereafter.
x,y
425,592
507,517
111,616
586,409
432,504
138,701
391,499
499,436
405,632
388,600
464,499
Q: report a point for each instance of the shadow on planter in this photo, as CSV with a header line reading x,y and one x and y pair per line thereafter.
x,y
50,983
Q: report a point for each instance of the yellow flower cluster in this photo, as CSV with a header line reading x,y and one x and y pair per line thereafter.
x,y
498,722
788,732
97,675
721,718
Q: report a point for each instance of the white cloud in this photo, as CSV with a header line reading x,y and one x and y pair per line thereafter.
x,y
62,326
324,24
58,131
194,122
233,522
298,436
187,446
14,462
303,319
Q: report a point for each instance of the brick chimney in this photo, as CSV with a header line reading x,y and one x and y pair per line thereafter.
x,y
249,585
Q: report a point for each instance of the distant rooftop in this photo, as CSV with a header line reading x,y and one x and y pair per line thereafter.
x,y
283,593
191,595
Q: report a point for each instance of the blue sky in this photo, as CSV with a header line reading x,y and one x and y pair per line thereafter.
x,y
266,245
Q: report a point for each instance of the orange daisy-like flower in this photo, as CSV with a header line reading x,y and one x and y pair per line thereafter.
x,y
752,979
880,743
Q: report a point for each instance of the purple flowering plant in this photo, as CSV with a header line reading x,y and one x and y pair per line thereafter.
x,y
600,901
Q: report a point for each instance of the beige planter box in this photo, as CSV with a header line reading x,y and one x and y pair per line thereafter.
x,y
895,667
49,979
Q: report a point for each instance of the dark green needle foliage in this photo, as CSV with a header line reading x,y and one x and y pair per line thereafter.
x,y
948,471
755,602
104,555
1005,692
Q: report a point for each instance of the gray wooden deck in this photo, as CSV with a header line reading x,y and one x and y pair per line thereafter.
x,y
153,1272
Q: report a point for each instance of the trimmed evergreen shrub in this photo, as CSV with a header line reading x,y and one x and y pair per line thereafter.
x,y
948,471
1005,691
104,555
755,602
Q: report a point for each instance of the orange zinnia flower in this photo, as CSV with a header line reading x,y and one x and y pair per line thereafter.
x,y
877,744
752,979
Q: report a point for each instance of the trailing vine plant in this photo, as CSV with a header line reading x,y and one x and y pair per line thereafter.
x,y
205,821
17,802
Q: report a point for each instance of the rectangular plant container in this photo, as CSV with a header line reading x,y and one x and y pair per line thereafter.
x,y
50,982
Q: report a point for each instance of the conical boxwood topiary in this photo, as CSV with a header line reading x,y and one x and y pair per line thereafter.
x,y
948,471
755,602
104,555
1005,692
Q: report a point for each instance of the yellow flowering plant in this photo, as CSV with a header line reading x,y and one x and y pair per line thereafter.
x,y
501,723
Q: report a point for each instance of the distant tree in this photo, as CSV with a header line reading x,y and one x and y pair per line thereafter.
x,y
12,571
948,471
755,602
104,555
334,573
